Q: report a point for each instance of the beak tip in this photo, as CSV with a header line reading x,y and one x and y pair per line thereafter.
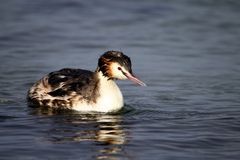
x,y
135,80
143,84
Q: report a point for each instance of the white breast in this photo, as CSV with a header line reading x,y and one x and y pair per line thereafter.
x,y
110,98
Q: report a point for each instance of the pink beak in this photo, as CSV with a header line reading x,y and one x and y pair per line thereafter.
x,y
134,79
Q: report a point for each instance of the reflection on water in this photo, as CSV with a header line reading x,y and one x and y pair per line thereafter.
x,y
103,130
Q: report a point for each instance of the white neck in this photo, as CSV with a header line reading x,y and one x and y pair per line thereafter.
x,y
111,98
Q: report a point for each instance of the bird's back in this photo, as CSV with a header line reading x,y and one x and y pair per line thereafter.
x,y
61,88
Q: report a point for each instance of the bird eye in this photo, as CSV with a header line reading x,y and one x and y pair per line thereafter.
x,y
119,68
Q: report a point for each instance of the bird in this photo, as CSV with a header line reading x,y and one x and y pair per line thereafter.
x,y
83,90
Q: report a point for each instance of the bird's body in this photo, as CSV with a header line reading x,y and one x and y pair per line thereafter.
x,y
83,90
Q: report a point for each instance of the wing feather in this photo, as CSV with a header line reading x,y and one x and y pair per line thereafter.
x,y
67,81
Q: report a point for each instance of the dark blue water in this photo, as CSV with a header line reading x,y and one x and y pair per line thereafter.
x,y
187,52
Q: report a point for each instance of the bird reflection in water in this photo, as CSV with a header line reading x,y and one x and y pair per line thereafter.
x,y
104,130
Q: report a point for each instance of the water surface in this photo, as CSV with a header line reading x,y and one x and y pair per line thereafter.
x,y
186,51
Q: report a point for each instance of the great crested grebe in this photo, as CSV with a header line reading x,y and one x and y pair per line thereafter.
x,y
83,90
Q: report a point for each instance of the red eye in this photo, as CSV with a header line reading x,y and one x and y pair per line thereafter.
x,y
119,68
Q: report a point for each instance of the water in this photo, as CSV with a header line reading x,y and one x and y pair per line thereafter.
x,y
186,51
